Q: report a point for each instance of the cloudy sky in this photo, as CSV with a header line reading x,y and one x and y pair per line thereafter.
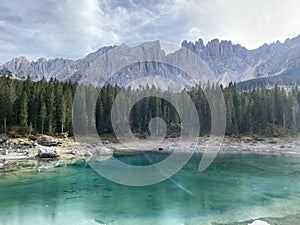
x,y
74,28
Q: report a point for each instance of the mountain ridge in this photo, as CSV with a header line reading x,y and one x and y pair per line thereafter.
x,y
226,61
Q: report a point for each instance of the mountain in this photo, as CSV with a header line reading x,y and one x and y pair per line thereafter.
x,y
236,63
221,59
287,79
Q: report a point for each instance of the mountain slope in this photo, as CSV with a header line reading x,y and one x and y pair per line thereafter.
x,y
289,78
222,59
235,63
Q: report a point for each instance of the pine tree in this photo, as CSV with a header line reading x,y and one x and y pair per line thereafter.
x,y
43,114
100,115
60,108
80,117
24,111
50,106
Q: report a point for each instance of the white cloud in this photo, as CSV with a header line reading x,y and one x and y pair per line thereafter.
x,y
250,23
194,33
74,28
68,28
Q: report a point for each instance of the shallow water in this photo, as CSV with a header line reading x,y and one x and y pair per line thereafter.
x,y
236,187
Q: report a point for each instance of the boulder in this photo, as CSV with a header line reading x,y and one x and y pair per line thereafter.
x,y
73,152
258,222
48,153
5,152
88,154
48,141
3,139
258,139
106,142
103,152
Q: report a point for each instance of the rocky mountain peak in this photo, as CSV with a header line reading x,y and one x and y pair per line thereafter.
x,y
215,49
227,61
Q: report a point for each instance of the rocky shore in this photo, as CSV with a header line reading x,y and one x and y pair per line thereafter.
x,y
287,220
45,151
260,145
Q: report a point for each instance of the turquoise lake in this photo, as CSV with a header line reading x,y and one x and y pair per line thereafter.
x,y
236,187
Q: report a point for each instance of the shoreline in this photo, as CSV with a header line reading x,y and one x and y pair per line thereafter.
x,y
22,154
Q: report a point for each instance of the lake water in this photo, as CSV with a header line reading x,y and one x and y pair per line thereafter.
x,y
236,187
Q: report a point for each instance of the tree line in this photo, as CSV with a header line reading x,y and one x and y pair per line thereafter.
x,y
289,78
45,107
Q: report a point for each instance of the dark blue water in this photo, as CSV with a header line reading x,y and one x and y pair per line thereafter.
x,y
235,188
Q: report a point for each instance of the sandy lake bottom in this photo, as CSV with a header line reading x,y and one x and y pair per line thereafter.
x,y
235,188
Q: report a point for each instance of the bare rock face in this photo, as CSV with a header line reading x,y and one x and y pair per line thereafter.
x,y
48,153
21,67
227,62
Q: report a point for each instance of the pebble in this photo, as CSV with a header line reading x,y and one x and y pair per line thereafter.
x,y
4,152
73,152
88,154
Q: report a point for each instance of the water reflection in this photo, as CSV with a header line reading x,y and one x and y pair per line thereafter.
x,y
234,188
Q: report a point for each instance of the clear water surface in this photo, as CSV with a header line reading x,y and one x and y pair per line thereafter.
x,y
236,187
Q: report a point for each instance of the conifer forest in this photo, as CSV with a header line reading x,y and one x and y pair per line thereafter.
x,y
45,107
